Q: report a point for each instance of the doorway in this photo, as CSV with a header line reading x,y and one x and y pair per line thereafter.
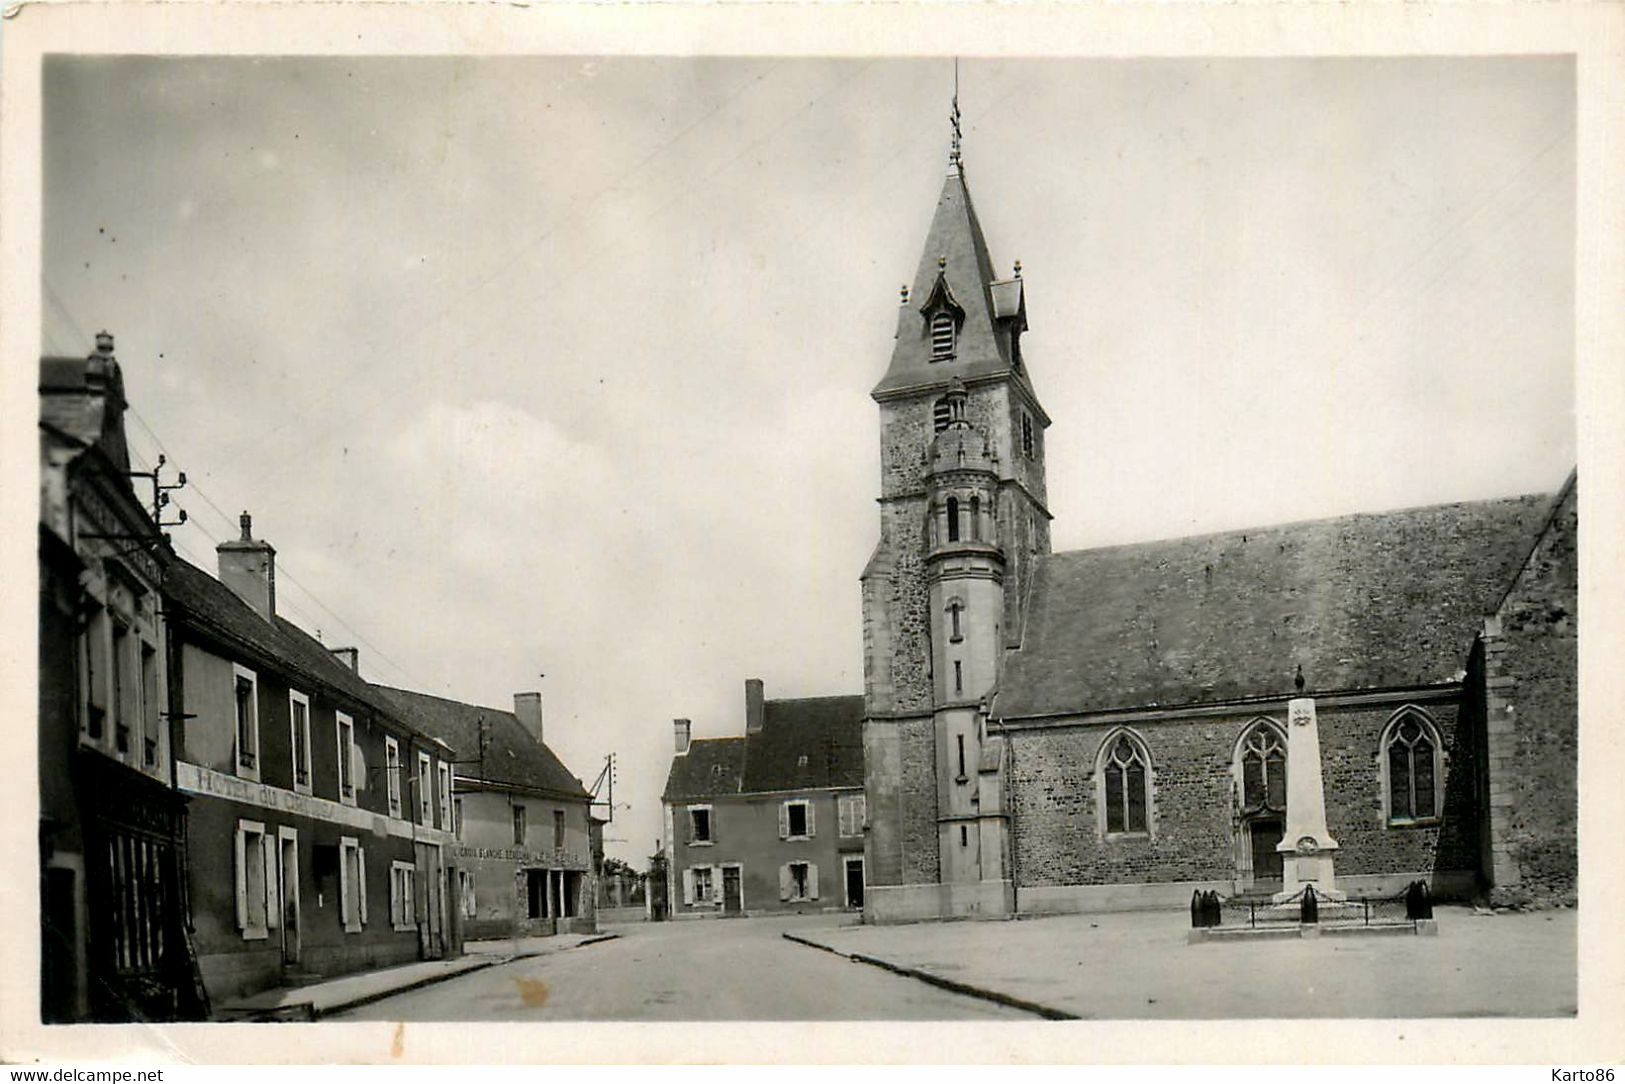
x,y
287,884
854,882
1265,833
733,890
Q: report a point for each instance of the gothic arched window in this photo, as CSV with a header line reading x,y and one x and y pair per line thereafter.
x,y
942,336
1262,753
1411,762
953,519
1123,778
976,519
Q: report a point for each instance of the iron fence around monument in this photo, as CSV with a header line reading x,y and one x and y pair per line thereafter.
x,y
1306,907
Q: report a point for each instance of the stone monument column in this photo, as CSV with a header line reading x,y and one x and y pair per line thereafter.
x,y
1306,846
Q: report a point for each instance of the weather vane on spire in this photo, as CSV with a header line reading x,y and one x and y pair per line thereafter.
x,y
953,153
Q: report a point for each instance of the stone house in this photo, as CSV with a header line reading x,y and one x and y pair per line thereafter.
x,y
772,821
1106,728
320,816
528,847
113,932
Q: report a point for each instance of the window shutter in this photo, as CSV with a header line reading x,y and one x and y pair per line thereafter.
x,y
688,824
345,887
361,882
811,831
242,880
784,882
688,888
358,765
784,822
812,881
273,897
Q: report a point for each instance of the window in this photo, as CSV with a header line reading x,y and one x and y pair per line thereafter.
x,y
95,662
392,774
960,740
299,739
518,826
457,817
953,519
121,690
558,829
425,789
941,415
246,696
1027,446
447,809
1263,769
537,893
975,519
798,881
465,894
253,862
964,836
345,726
851,813
151,705
959,686
352,884
955,608
699,825
401,913
942,336
796,820
1123,777
701,885
1411,755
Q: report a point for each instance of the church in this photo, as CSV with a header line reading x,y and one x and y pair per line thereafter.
x,y
1107,728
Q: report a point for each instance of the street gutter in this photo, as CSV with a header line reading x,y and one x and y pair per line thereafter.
x,y
996,996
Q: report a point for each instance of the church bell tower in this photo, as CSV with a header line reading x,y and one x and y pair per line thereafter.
x,y
963,513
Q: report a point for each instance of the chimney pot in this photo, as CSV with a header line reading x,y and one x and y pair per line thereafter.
x,y
104,343
245,522
754,709
681,729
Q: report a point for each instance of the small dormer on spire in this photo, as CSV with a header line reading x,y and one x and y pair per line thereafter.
x,y
943,316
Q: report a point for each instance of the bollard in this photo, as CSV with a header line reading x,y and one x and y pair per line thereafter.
x,y
1198,910
1215,909
1311,907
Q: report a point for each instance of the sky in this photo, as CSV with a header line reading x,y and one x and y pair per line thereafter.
x,y
560,366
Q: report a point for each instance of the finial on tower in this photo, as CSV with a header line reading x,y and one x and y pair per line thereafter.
x,y
1018,269
953,150
903,295
942,261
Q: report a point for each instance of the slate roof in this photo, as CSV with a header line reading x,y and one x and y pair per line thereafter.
x,y
711,766
512,756
197,598
983,344
1360,602
826,730
83,400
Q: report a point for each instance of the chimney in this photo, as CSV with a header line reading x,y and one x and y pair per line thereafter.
x,y
527,708
681,728
753,705
248,567
349,656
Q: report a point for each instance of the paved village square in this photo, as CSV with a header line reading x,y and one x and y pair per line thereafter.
x,y
1299,766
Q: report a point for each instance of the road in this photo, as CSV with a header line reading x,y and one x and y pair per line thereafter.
x,y
737,969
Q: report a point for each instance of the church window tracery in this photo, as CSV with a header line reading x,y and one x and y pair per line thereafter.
x,y
1263,769
1123,778
1411,756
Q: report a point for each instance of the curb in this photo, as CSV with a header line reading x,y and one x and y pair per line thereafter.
x,y
1046,1011
593,940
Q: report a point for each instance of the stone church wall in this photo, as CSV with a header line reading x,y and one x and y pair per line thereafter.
x,y
1058,837
1532,716
901,785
